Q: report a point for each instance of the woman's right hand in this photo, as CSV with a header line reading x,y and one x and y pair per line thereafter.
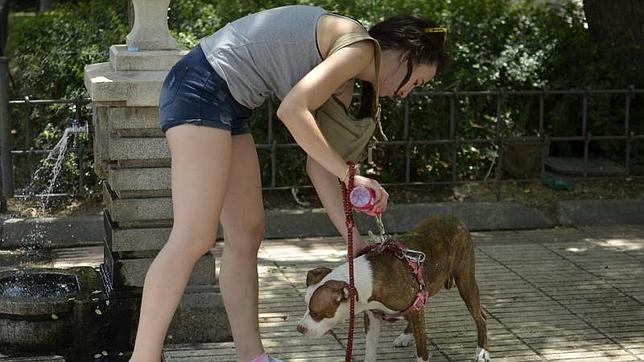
x,y
381,194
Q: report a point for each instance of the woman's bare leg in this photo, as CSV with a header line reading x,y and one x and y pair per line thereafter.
x,y
242,218
200,167
330,194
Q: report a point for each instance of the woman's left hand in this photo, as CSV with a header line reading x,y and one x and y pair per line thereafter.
x,y
382,197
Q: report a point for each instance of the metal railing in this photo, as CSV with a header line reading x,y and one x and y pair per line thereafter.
x,y
408,141
28,153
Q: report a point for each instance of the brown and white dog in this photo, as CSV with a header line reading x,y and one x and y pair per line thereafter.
x,y
386,285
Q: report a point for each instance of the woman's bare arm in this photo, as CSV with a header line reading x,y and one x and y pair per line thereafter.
x,y
296,109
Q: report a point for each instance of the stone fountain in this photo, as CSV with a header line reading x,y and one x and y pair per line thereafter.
x,y
133,160
45,310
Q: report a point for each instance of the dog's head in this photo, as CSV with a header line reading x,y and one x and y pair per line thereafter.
x,y
327,303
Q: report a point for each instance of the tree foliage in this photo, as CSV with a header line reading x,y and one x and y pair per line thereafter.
x,y
496,44
49,54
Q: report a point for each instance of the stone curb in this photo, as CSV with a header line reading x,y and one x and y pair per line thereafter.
x,y
400,218
88,229
52,232
601,212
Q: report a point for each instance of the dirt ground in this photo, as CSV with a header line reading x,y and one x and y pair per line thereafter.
x,y
533,194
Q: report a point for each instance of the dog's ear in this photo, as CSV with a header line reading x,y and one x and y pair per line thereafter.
x,y
340,289
314,276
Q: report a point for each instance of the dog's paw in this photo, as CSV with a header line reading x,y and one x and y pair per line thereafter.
x,y
403,340
482,355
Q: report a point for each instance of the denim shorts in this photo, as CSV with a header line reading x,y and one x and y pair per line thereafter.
x,y
193,93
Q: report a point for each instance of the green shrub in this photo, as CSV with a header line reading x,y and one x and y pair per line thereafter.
x,y
52,51
49,53
496,45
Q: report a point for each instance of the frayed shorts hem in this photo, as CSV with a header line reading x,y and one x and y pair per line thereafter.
x,y
166,125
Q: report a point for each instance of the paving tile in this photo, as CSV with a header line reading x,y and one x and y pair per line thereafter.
x,y
567,294
556,235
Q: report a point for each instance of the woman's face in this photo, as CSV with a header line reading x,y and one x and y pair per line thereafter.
x,y
394,70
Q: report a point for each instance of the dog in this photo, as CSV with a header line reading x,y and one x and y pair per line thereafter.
x,y
386,286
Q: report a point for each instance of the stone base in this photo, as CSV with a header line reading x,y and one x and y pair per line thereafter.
x,y
137,213
200,318
121,59
127,273
140,182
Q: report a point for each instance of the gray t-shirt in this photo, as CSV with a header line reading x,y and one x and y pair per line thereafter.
x,y
265,53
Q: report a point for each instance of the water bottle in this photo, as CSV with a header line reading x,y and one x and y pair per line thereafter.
x,y
362,198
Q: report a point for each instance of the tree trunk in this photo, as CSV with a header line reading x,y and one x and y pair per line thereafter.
x,y
617,21
4,24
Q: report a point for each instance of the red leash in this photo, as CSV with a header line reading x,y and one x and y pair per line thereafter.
x,y
348,220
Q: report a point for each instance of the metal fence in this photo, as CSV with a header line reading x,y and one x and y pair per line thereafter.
x,y
26,155
628,136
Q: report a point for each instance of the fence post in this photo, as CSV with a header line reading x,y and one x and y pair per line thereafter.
x,y
78,116
6,163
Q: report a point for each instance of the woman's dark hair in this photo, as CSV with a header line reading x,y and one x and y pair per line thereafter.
x,y
419,37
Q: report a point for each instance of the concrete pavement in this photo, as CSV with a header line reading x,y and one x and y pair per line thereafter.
x,y
564,294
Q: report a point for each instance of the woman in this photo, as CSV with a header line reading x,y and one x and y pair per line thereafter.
x,y
205,105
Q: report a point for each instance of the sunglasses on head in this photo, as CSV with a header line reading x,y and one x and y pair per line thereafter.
x,y
438,30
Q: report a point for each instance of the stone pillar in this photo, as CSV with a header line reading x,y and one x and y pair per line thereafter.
x,y
150,29
133,160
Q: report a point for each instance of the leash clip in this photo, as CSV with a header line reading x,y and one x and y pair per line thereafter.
x,y
415,255
385,242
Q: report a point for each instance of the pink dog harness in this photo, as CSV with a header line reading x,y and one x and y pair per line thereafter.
x,y
415,261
